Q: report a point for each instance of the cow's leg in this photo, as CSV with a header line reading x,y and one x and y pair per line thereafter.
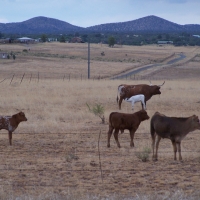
x,y
10,137
153,138
132,105
116,137
143,105
109,135
175,149
179,149
120,102
132,133
157,145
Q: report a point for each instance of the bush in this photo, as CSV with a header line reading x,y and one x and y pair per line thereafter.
x,y
97,110
144,155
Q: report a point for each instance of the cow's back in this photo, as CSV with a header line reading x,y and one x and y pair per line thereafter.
x,y
161,125
167,126
118,120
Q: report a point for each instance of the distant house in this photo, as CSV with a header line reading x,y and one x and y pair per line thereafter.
x,y
6,40
26,40
52,40
165,42
196,36
76,40
3,55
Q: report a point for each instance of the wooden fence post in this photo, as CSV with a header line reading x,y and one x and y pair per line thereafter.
x,y
12,78
22,78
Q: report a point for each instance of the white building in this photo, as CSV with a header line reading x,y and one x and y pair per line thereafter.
x,y
26,40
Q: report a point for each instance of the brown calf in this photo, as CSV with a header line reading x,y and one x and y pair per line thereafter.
x,y
10,123
122,121
173,128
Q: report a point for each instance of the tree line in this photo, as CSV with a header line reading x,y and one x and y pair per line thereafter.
x,y
112,38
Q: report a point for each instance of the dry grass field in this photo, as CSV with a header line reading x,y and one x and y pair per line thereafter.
x,y
57,153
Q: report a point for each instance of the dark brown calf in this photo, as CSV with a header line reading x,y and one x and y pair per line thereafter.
x,y
10,123
122,121
173,128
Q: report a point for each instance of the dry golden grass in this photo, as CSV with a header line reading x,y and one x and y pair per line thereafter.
x,y
57,148
57,59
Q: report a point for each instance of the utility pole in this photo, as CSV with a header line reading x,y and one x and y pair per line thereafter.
x,y
88,58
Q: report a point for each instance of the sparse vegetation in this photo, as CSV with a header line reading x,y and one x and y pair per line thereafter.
x,y
97,110
43,163
144,155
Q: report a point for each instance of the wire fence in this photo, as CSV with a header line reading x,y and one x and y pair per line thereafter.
x,y
37,170
33,77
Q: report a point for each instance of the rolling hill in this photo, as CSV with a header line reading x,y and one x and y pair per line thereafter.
x,y
38,25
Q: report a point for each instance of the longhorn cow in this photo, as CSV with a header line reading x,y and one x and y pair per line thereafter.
x,y
127,91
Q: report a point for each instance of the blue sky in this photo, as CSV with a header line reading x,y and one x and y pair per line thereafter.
x,y
86,13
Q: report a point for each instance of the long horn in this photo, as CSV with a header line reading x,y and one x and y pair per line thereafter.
x,y
162,84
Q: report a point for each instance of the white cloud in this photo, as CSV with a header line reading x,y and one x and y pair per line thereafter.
x,y
3,20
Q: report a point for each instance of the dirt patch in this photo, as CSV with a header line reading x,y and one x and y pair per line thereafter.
x,y
68,161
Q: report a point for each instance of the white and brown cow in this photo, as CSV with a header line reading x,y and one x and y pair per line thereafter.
x,y
10,123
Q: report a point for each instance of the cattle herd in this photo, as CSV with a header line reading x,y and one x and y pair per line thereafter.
x,y
161,126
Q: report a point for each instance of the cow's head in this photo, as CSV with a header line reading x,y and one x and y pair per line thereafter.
x,y
143,115
195,122
156,88
20,117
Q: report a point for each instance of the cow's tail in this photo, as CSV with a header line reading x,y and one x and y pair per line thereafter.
x,y
119,91
117,94
152,128
110,122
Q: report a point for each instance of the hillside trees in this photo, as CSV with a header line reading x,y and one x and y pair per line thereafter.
x,y
111,41
44,37
62,39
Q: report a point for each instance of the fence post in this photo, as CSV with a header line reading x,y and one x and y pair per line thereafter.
x,y
30,78
38,77
100,157
12,78
22,78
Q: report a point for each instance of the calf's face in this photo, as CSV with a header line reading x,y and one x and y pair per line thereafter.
x,y
21,117
195,122
143,115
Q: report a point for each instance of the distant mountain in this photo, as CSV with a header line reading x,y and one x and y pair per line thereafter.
x,y
39,25
149,23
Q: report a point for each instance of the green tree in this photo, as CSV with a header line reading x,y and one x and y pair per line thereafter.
x,y
62,39
1,35
111,41
159,36
44,37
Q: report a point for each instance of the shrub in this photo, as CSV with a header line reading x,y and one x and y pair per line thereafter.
x,y
97,110
144,155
